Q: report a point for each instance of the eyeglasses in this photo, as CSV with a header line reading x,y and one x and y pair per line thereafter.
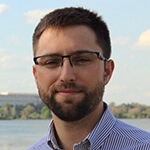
x,y
79,59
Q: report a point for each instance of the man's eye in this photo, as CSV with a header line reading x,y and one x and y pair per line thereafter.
x,y
52,63
82,60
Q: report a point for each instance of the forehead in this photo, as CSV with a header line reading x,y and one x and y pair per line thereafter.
x,y
67,39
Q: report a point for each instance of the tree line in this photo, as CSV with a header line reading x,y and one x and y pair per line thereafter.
x,y
40,111
30,111
132,111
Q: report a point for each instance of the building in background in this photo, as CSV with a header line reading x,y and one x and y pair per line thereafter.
x,y
19,99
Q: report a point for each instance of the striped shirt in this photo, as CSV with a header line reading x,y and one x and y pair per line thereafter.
x,y
109,134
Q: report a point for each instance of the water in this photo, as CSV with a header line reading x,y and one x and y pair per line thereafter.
x,y
20,134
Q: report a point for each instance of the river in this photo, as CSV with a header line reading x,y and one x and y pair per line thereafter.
x,y
20,134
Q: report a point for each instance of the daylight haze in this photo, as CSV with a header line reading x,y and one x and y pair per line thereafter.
x,y
129,25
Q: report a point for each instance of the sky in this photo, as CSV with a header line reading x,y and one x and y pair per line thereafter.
x,y
129,25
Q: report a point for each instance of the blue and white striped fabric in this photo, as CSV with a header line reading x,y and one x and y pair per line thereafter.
x,y
109,134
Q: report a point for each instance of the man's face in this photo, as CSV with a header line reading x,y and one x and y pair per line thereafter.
x,y
70,92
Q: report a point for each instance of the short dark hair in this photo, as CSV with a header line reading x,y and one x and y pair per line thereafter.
x,y
75,16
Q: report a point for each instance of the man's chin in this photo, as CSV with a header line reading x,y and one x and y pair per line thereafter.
x,y
68,109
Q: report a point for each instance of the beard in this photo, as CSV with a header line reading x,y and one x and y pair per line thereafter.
x,y
71,109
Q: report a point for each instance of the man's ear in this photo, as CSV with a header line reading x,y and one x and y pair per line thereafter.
x,y
34,71
109,67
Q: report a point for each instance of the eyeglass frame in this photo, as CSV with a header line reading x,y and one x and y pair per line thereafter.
x,y
98,54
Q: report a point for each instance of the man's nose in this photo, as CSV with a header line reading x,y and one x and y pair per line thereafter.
x,y
67,73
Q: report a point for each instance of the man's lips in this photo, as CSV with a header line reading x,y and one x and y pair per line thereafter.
x,y
68,92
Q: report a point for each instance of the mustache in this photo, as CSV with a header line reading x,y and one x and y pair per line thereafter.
x,y
64,86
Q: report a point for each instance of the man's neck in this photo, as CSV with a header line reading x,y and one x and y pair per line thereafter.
x,y
69,133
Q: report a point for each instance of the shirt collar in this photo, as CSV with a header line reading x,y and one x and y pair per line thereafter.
x,y
102,129
52,142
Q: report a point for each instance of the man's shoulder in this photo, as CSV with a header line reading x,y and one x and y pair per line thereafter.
x,y
131,132
126,136
41,144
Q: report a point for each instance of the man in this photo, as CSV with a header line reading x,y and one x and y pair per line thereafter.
x,y
72,66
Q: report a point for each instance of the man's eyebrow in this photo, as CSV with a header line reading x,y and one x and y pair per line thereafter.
x,y
59,54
